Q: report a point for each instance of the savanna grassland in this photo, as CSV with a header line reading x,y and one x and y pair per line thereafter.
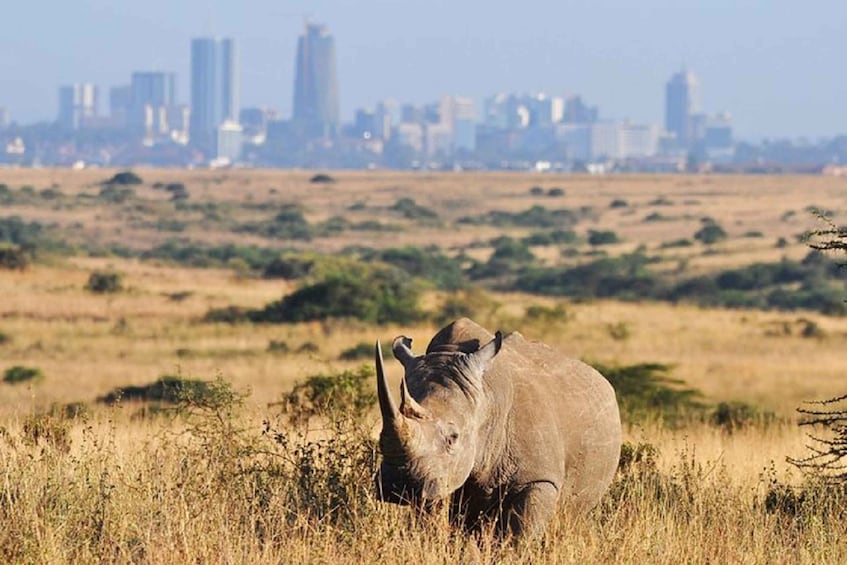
x,y
190,357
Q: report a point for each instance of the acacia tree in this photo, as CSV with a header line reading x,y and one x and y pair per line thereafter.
x,y
828,456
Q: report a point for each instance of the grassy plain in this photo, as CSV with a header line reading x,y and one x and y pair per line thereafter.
x,y
214,488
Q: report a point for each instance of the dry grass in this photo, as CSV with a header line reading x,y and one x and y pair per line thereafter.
x,y
208,489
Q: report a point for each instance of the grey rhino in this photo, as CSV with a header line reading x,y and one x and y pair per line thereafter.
x,y
502,429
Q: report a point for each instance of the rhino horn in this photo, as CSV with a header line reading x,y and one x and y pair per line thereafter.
x,y
402,348
387,406
409,407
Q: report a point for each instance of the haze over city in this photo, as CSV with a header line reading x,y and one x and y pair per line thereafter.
x,y
773,66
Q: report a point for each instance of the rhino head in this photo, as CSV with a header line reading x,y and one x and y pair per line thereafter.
x,y
430,441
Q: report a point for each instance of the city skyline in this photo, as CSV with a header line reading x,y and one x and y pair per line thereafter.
x,y
771,68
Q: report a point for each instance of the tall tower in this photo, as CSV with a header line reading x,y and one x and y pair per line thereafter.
x,y
77,102
316,83
681,103
214,87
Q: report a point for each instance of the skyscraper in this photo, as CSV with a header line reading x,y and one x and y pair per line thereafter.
x,y
77,102
152,94
214,88
316,83
681,103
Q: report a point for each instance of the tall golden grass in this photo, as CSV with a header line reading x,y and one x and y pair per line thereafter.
x,y
233,482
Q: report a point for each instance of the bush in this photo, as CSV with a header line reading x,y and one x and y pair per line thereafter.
x,y
710,233
14,258
228,315
125,178
322,178
646,390
427,263
471,303
289,223
412,210
734,416
536,191
168,389
534,217
618,203
21,374
554,237
602,237
349,392
373,294
103,282
115,194
625,277
555,192
15,231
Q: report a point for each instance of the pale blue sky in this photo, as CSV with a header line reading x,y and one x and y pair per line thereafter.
x,y
778,65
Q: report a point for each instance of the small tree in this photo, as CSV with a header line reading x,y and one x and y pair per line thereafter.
x,y
829,450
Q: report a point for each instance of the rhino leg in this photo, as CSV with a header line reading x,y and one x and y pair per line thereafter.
x,y
527,512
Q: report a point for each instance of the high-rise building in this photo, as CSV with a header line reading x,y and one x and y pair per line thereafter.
x,y
577,112
214,88
77,103
152,97
681,103
119,102
316,99
4,118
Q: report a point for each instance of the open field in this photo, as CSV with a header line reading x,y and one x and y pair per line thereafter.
x,y
117,484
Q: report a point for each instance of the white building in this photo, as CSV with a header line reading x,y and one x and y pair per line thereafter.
x,y
230,141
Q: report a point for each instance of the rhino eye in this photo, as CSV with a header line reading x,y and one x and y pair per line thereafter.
x,y
451,439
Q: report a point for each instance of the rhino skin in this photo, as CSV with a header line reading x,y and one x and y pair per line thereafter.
x,y
504,432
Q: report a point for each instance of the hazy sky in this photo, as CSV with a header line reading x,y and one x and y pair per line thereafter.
x,y
778,66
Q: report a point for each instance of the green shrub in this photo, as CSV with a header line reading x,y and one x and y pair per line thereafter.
x,y
554,237
348,392
625,277
21,374
677,243
14,257
288,223
115,194
103,282
645,390
168,389
412,210
546,314
427,263
536,191
125,178
375,294
322,178
228,315
710,233
556,192
534,217
470,303
363,350
734,416
618,203
15,231
602,237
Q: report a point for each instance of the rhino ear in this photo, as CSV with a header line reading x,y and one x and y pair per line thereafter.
x,y
482,357
402,348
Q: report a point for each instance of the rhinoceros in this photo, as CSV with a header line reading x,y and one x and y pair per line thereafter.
x,y
502,429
